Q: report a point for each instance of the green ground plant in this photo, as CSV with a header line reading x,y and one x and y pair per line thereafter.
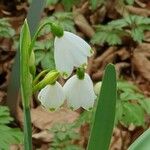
x,y
9,135
113,32
5,28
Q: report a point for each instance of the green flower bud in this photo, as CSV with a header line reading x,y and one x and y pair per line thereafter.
x,y
50,78
57,30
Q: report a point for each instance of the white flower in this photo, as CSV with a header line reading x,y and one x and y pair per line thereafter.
x,y
80,93
97,87
70,51
52,96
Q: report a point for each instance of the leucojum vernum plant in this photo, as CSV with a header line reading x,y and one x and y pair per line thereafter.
x,y
70,53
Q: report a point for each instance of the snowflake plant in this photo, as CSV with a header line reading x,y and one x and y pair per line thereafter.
x,y
70,51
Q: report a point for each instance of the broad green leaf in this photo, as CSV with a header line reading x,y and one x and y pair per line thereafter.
x,y
26,83
105,112
142,143
25,76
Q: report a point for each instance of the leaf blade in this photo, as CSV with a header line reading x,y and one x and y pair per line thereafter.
x,y
105,112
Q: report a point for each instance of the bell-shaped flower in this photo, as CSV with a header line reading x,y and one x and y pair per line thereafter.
x,y
80,93
52,96
70,51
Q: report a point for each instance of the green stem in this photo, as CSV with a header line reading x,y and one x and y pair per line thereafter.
x,y
36,35
27,129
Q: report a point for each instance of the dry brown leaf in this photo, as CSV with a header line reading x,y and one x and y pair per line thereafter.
x,y
44,119
2,96
138,11
106,53
123,53
141,64
120,140
120,66
43,136
83,24
16,147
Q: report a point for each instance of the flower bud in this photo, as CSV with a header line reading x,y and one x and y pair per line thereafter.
x,y
57,30
50,78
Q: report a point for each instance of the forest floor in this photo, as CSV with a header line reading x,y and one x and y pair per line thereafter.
x,y
132,62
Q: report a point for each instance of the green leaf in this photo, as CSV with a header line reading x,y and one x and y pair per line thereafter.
x,y
68,4
26,83
133,113
108,34
9,135
51,2
48,61
113,32
105,112
137,34
5,29
96,3
25,76
112,38
145,104
142,143
39,56
132,105
64,134
119,112
64,19
4,115
130,2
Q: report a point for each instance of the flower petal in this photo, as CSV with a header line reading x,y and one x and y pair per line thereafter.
x,y
88,92
70,51
52,96
78,42
70,93
63,61
79,93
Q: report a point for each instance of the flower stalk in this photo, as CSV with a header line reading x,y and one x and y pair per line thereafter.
x,y
56,30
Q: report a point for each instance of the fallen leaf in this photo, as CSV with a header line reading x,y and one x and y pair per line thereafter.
x,y
141,64
44,119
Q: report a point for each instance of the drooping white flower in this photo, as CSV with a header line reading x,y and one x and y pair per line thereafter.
x,y
52,96
70,51
80,93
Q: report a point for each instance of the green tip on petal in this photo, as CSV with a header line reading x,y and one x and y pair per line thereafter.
x,y
80,73
91,51
52,109
64,75
57,30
